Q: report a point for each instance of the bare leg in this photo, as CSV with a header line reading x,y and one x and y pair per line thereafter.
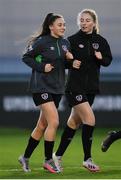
x,y
40,127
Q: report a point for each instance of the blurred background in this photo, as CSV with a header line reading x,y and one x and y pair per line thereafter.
x,y
21,18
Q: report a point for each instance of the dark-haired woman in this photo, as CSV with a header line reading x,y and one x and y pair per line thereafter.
x,y
46,54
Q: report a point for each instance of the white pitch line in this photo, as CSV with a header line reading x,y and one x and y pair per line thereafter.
x,y
71,167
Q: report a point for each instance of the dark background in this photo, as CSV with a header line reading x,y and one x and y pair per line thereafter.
x,y
17,108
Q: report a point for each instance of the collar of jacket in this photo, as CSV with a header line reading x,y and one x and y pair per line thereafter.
x,y
86,36
54,38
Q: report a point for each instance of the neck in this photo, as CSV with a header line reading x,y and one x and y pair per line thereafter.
x,y
89,32
53,35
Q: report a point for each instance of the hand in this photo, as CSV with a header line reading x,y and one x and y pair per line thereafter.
x,y
69,55
76,64
48,67
98,55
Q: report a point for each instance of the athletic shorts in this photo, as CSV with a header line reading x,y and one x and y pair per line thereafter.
x,y
90,98
41,98
75,99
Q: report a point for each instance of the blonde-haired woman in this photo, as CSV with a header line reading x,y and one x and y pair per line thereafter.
x,y
92,52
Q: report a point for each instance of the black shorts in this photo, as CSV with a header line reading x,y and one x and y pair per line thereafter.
x,y
75,99
41,98
90,98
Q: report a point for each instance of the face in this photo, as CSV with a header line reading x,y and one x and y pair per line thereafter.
x,y
86,23
58,28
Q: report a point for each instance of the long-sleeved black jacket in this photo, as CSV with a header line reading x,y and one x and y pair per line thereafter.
x,y
86,78
53,51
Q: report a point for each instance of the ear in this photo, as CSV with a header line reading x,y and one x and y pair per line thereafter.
x,y
51,27
94,25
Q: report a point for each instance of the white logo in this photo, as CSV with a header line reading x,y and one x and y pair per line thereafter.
x,y
81,46
44,96
79,97
64,47
95,45
52,48
30,48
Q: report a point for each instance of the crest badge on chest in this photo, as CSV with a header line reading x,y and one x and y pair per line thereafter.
x,y
95,46
64,47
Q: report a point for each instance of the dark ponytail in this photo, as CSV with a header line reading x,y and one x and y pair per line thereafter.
x,y
49,20
45,25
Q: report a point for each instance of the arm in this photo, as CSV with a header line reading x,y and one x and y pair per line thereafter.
x,y
104,56
73,64
69,60
32,59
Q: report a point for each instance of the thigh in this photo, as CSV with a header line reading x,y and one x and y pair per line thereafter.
x,y
85,113
42,122
74,120
50,112
46,101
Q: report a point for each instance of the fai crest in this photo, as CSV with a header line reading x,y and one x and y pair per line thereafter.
x,y
79,97
64,47
95,46
44,96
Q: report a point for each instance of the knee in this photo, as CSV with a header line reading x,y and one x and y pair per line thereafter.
x,y
55,124
41,127
38,131
93,122
90,121
73,124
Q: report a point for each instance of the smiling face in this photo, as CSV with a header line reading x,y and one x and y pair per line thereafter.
x,y
58,28
87,23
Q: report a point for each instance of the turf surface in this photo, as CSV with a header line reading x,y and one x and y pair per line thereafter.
x,y
13,143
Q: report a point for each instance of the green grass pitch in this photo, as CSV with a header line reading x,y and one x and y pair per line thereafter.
x,y
13,143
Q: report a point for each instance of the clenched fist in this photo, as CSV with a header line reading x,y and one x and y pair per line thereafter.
x,y
98,55
69,55
76,64
48,67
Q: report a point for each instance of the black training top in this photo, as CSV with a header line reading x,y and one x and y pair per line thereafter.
x,y
47,49
86,79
